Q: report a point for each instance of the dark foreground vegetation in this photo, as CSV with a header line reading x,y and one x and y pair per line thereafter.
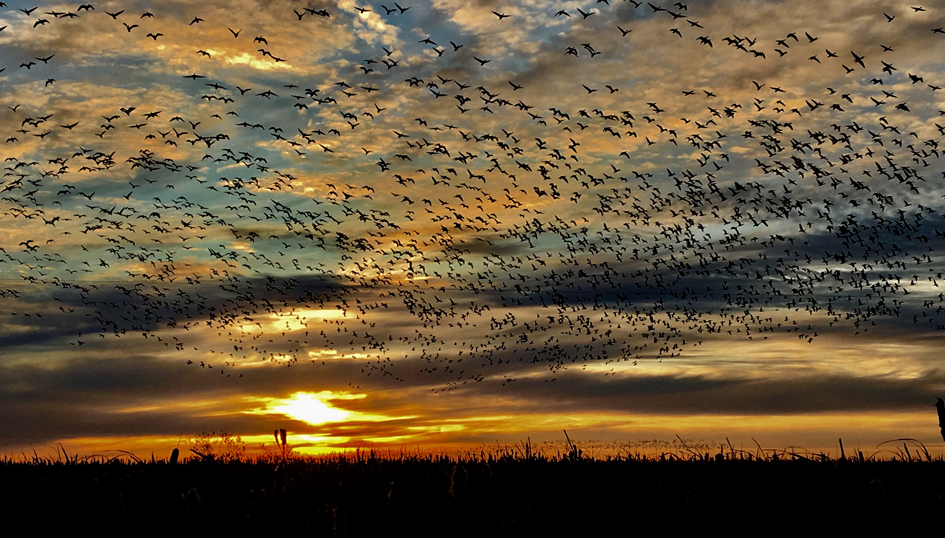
x,y
364,494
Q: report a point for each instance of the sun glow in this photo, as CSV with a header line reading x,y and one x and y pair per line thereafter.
x,y
299,319
311,408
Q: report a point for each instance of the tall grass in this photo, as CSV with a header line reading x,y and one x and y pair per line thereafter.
x,y
528,488
225,448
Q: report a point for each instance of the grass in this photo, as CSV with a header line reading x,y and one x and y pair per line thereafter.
x,y
506,489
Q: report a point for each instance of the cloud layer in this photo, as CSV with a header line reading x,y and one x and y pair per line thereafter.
x,y
448,217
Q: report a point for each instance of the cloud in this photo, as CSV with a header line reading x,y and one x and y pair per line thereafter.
x,y
697,395
481,203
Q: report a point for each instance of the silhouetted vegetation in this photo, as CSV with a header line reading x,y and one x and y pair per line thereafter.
x,y
515,489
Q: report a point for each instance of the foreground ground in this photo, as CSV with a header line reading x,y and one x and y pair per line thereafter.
x,y
371,496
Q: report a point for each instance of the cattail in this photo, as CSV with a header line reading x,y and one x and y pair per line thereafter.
x,y
174,455
280,436
940,407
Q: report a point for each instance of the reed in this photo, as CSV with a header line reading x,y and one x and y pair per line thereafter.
x,y
497,490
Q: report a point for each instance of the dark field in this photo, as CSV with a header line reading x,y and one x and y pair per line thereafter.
x,y
364,495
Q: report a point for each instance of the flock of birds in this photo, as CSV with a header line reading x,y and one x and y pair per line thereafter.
x,y
460,253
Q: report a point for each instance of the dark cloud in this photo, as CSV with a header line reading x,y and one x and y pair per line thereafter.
x,y
703,395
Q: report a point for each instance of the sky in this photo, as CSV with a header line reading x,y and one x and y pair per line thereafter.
x,y
446,223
